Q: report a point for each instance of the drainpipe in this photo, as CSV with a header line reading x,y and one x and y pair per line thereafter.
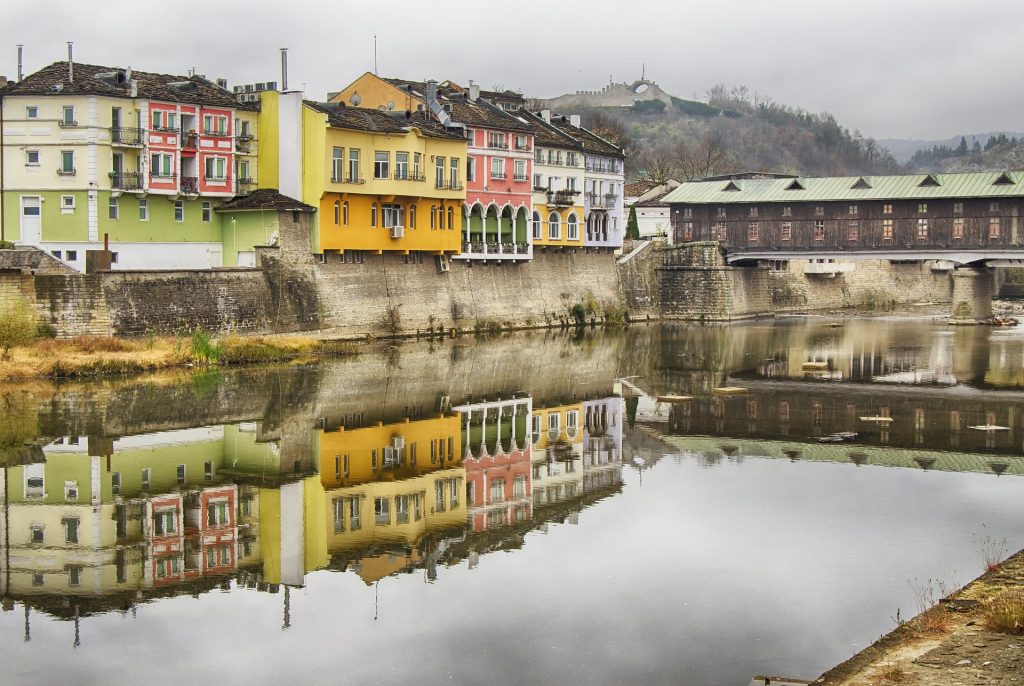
x,y
3,202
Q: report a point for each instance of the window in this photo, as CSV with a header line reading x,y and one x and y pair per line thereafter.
x,y
922,228
852,210
70,529
208,470
416,166
67,162
720,212
401,165
520,142
495,139
819,230
36,533
886,229
337,164
993,227
381,163
115,482
958,208
217,513
164,522
74,575
68,116
537,226
497,168
451,218
571,160
439,504
67,202
162,165
687,231
143,209
353,165
787,211
382,511
853,230
439,172
344,213
216,168
520,170
181,473
993,206
71,255
554,226
572,228
786,231
112,209
207,210
958,227
146,474
157,119
454,182
337,213
338,510
819,211
752,231
718,231
922,208
392,215
32,158
519,486
215,125
401,509
497,490
56,253
753,211
179,210
886,209
470,169
32,112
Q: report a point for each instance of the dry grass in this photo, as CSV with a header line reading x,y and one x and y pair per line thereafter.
x,y
98,356
1005,612
931,622
892,673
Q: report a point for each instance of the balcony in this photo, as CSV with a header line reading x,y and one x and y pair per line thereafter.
x,y
440,185
216,134
403,176
126,181
520,177
602,202
189,140
347,179
190,185
522,146
497,145
66,172
562,198
491,249
455,186
67,123
120,135
243,146
246,181
499,177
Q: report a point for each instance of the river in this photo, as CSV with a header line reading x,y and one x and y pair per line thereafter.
x,y
661,504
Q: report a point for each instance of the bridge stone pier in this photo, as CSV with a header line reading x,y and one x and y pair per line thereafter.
x,y
973,289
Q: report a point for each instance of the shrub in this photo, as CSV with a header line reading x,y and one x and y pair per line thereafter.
x,y
18,326
695,109
632,226
615,313
202,347
45,330
1005,612
337,348
391,321
6,245
579,314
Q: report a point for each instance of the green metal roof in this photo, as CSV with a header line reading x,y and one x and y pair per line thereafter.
x,y
993,184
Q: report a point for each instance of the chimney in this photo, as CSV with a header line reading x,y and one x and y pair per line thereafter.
x,y
21,75
440,112
3,81
71,64
431,91
474,91
546,115
284,69
574,119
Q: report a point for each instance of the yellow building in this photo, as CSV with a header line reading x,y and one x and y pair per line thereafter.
x,y
381,181
558,177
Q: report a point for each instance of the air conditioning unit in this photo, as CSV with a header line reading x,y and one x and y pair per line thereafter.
x,y
397,231
442,263
398,442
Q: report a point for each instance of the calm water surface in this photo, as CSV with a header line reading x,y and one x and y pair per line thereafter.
x,y
533,509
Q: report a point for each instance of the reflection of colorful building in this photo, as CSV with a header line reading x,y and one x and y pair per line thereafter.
x,y
390,488
497,461
602,442
557,457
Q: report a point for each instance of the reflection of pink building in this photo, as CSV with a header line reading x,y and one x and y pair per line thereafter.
x,y
497,462
191,534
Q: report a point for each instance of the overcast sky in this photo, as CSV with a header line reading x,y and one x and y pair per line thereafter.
x,y
890,68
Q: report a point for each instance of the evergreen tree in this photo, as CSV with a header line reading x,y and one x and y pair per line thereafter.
x,y
632,227
962,148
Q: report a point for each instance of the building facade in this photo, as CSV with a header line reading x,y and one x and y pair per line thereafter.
x,y
558,181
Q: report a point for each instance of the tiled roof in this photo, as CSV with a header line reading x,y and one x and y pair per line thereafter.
x,y
656,201
378,121
478,112
265,199
638,188
53,81
547,135
848,188
592,143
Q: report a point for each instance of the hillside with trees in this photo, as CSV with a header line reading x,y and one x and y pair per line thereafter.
x,y
999,151
735,130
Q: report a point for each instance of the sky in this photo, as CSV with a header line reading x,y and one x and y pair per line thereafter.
x,y
927,69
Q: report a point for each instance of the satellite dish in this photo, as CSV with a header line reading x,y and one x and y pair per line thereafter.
x,y
355,99
390,105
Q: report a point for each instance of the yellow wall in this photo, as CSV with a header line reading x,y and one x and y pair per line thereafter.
x,y
562,411
269,140
581,226
375,92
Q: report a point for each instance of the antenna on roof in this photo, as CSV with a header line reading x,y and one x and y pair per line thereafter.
x,y
284,70
20,51
71,64
375,53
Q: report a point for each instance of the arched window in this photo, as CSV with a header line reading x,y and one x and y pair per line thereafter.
x,y
344,213
554,226
412,216
373,214
572,228
451,218
433,216
537,226
337,212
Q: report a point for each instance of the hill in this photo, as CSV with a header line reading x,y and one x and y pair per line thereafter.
x,y
903,149
732,131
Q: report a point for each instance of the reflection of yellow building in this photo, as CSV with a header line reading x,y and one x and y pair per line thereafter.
x,y
557,457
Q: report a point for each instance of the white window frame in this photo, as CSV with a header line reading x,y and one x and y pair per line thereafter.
x,y
381,167
215,168
207,211
28,158
572,227
519,170
67,204
32,112
179,210
113,209
143,209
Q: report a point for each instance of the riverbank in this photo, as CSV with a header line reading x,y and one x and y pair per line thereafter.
x,y
950,644
97,356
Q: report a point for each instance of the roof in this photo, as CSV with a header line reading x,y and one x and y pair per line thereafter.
x,y
265,199
91,79
344,116
546,134
479,112
656,201
846,188
638,188
591,142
